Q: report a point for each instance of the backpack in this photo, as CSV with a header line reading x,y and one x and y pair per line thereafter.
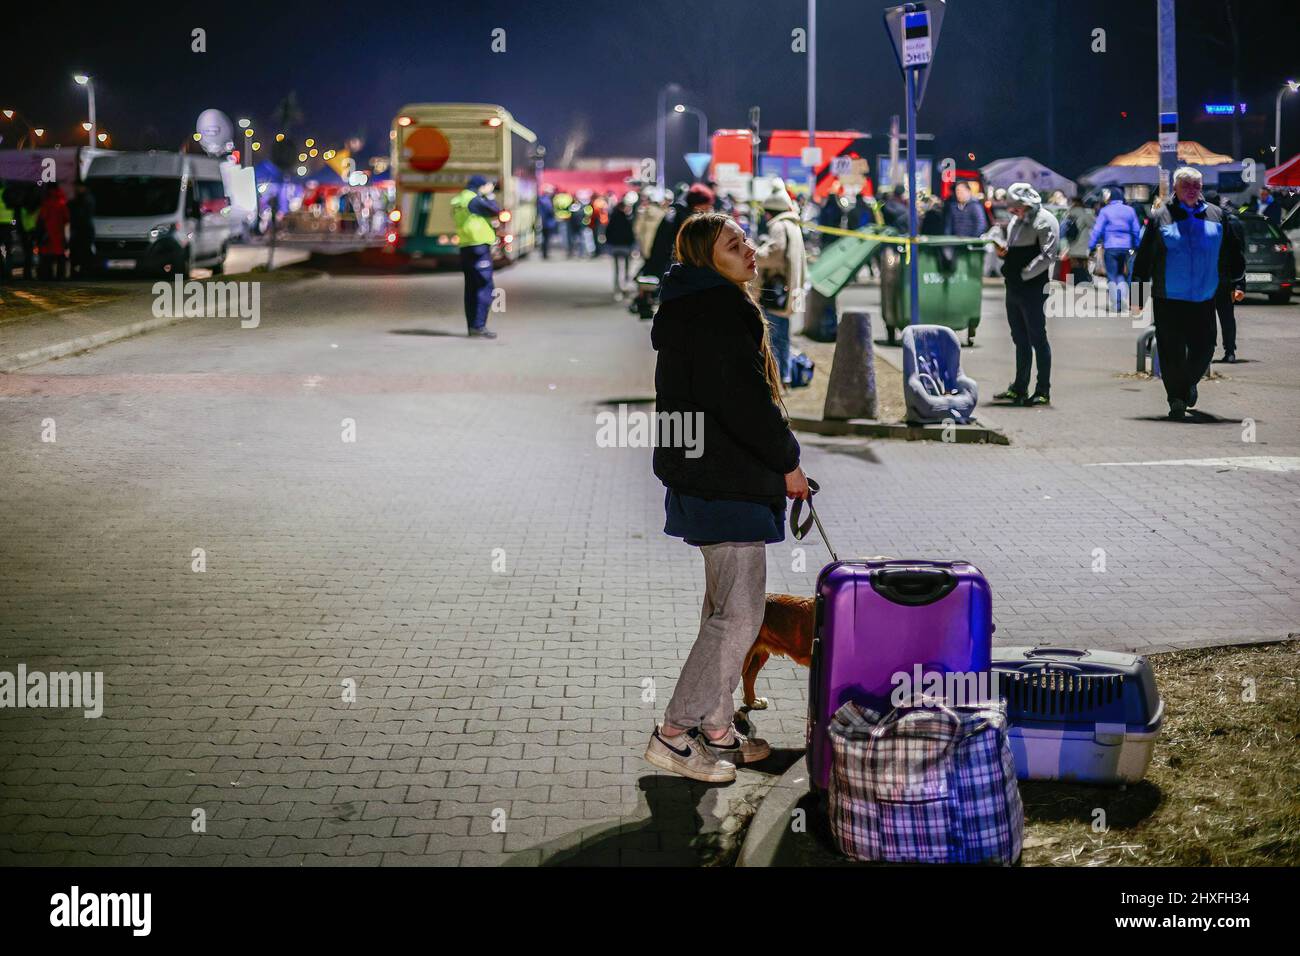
x,y
801,370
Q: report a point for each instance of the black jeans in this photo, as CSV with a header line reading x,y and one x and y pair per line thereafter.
x,y
1185,341
1224,305
1029,334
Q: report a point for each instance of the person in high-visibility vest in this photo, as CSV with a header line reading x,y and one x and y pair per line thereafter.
x,y
474,209
7,217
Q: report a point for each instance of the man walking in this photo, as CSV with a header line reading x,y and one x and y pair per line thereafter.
x,y
474,209
547,219
1187,252
1032,246
1117,231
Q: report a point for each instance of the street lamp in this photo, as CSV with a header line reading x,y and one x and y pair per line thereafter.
x,y
83,80
704,123
1290,86
661,132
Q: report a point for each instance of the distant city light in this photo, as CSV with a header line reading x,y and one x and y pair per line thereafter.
x,y
403,121
9,114
102,137
256,146
312,152
244,123
197,137
86,127
39,131
302,170
279,137
248,132
81,78
310,142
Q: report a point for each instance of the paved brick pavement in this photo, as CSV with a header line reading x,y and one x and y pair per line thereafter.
x,y
482,694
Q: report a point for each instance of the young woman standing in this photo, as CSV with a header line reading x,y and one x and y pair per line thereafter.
x,y
726,495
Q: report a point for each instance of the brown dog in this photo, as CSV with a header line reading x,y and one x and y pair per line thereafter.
x,y
787,630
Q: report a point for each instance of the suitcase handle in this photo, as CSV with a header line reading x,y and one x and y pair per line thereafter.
x,y
912,586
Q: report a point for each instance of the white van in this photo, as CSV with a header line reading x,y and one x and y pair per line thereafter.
x,y
159,212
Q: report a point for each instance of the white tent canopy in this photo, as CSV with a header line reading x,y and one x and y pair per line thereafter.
x,y
1001,173
1149,175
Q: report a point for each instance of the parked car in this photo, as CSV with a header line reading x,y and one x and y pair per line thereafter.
x,y
159,212
1270,264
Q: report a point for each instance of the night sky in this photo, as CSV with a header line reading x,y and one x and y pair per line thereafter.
x,y
1011,77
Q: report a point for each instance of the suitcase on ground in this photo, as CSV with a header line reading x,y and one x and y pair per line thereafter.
x,y
1084,716
876,619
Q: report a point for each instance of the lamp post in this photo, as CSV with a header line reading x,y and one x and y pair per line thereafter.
x,y
93,133
704,123
1290,86
812,75
661,132
89,83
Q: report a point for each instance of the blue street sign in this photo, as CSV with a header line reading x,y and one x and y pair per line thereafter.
x,y
699,163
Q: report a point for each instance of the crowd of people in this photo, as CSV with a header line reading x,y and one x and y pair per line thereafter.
x,y
1032,240
53,235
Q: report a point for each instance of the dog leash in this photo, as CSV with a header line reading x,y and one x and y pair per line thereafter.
x,y
800,531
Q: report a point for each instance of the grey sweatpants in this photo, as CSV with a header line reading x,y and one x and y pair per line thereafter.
x,y
735,585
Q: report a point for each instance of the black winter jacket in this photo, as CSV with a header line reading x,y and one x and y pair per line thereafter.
x,y
708,335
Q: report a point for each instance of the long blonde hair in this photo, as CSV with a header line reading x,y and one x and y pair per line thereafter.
x,y
694,247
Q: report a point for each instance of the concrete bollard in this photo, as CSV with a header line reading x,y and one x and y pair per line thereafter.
x,y
851,389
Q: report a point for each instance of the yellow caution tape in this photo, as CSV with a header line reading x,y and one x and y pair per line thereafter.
x,y
905,241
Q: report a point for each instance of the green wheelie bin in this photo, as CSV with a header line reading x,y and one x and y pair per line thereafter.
x,y
951,284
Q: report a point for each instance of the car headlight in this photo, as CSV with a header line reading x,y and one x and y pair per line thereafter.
x,y
164,230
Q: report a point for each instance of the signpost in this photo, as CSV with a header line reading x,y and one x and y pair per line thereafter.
x,y
1166,68
913,30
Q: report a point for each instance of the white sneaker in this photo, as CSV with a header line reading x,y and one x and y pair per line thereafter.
x,y
736,748
685,754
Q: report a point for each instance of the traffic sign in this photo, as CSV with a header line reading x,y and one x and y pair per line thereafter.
x,y
699,163
914,33
1168,131
916,38
811,156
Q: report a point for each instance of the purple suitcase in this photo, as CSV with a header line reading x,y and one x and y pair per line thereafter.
x,y
876,618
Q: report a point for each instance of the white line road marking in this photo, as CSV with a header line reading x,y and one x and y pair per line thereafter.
x,y
1256,462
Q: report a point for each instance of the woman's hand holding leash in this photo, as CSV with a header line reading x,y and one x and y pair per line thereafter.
x,y
796,485
800,530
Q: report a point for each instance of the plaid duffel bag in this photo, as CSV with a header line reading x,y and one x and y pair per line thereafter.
x,y
925,784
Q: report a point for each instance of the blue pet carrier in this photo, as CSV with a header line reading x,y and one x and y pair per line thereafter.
x,y
1086,716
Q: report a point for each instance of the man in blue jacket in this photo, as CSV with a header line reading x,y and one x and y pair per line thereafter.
x,y
963,215
1186,251
1117,231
